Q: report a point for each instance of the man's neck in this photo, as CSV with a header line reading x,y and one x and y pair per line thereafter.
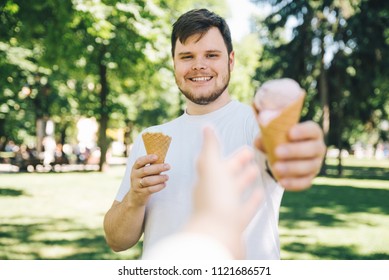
x,y
195,109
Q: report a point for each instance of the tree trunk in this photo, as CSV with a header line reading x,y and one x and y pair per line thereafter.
x,y
40,134
62,133
340,165
127,137
323,90
340,126
3,136
340,144
104,116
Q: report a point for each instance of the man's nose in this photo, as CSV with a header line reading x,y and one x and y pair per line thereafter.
x,y
199,64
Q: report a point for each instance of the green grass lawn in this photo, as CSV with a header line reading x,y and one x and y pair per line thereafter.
x,y
339,218
59,215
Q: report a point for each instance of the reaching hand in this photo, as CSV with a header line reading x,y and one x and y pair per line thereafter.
x,y
219,207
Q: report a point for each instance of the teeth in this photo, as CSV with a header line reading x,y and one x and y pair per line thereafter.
x,y
201,79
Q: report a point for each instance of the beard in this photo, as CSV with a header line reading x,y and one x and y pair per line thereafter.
x,y
207,99
210,96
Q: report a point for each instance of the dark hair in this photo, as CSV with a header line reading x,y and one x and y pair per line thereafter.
x,y
199,21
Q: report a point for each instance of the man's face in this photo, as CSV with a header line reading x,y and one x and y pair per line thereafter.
x,y
203,66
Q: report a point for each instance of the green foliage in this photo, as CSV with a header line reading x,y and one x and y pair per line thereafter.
x,y
68,49
247,54
104,59
337,50
22,71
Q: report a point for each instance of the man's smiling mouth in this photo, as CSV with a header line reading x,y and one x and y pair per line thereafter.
x,y
200,79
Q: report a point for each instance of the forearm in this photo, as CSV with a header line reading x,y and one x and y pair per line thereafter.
x,y
223,231
123,224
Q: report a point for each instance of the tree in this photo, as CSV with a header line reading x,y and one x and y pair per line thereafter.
x,y
92,51
17,67
139,29
336,49
105,59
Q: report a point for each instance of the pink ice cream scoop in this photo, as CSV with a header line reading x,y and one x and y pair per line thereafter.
x,y
273,96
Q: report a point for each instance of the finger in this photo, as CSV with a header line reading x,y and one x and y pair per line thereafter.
x,y
210,151
153,180
153,169
154,188
258,143
239,160
300,150
296,184
305,130
142,161
297,168
247,177
211,146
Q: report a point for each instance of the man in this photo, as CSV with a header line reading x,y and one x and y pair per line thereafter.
x,y
156,199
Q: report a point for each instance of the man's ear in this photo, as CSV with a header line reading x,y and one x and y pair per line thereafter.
x,y
232,60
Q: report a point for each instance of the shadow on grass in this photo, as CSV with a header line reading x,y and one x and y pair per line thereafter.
x,y
333,252
19,241
343,199
358,172
10,192
331,206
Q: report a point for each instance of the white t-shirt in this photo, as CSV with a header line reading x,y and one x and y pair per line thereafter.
x,y
168,210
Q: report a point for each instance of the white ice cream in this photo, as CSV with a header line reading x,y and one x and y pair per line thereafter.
x,y
275,95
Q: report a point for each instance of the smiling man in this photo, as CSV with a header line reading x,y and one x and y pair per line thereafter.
x,y
156,199
202,65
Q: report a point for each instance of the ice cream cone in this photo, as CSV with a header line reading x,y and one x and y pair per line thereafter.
x,y
276,131
156,143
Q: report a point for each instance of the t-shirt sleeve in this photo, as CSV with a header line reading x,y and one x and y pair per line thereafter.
x,y
137,150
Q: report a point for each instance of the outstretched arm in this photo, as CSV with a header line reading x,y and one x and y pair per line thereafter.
x,y
220,212
220,209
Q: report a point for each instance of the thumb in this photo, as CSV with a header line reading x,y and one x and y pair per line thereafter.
x,y
258,143
210,151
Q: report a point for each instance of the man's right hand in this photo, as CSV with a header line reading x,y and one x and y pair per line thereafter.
x,y
146,178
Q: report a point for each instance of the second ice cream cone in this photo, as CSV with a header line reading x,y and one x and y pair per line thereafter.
x,y
276,131
156,143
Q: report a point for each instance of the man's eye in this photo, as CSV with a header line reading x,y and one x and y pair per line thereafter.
x,y
211,55
186,57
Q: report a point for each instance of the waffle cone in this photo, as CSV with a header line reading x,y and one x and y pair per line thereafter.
x,y
156,143
276,131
